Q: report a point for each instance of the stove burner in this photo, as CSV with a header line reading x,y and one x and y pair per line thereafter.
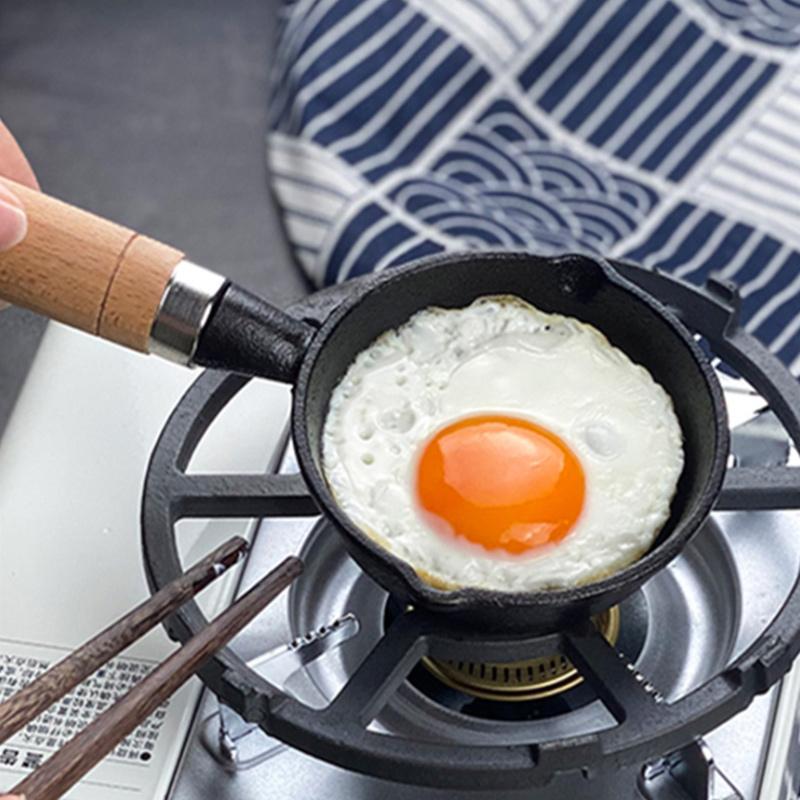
x,y
518,681
678,630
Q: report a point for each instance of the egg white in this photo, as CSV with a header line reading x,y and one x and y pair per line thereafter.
x,y
502,355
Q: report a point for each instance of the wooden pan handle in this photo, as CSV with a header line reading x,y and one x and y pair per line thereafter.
x,y
86,271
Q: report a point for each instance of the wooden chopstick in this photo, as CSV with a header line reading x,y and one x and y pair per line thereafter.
x,y
59,680
79,755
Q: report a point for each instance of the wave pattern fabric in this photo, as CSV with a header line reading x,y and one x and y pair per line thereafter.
x,y
666,132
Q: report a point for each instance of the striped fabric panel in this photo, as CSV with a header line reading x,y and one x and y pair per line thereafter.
x,y
693,243
759,172
401,81
313,78
644,82
494,33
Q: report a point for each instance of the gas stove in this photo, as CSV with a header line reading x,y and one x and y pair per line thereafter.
x,y
327,645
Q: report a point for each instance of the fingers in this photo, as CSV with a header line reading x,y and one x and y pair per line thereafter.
x,y
13,222
14,165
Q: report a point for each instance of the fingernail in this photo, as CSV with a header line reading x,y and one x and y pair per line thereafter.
x,y
13,224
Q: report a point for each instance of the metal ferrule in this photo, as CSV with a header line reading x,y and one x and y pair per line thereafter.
x,y
184,310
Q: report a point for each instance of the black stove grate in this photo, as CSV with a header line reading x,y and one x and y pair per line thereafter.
x,y
646,726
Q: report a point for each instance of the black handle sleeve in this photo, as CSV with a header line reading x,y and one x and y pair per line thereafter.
x,y
245,334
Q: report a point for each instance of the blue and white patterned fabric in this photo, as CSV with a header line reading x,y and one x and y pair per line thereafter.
x,y
665,132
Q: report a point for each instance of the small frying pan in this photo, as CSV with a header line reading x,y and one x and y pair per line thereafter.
x,y
115,283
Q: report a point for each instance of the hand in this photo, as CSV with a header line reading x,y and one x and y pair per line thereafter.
x,y
13,223
14,165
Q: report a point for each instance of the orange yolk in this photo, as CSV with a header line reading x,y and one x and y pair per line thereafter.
x,y
500,482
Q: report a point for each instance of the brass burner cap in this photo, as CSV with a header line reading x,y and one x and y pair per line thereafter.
x,y
515,681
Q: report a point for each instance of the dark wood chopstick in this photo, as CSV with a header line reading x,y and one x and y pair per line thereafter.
x,y
28,703
99,738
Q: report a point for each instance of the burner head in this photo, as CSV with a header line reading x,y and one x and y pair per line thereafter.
x,y
516,681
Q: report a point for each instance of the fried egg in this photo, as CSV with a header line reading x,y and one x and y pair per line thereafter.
x,y
501,447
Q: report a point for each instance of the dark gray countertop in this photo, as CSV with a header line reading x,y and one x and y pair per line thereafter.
x,y
153,114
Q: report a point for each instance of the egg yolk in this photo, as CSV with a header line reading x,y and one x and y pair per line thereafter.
x,y
500,482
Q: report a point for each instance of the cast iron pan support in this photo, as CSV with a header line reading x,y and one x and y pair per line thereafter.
x,y
645,724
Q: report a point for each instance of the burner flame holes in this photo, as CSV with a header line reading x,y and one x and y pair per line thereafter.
x,y
533,679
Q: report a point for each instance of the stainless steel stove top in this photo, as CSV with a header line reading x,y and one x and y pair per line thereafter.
x,y
685,625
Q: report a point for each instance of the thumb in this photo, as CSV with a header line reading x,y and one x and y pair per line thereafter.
x,y
13,222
